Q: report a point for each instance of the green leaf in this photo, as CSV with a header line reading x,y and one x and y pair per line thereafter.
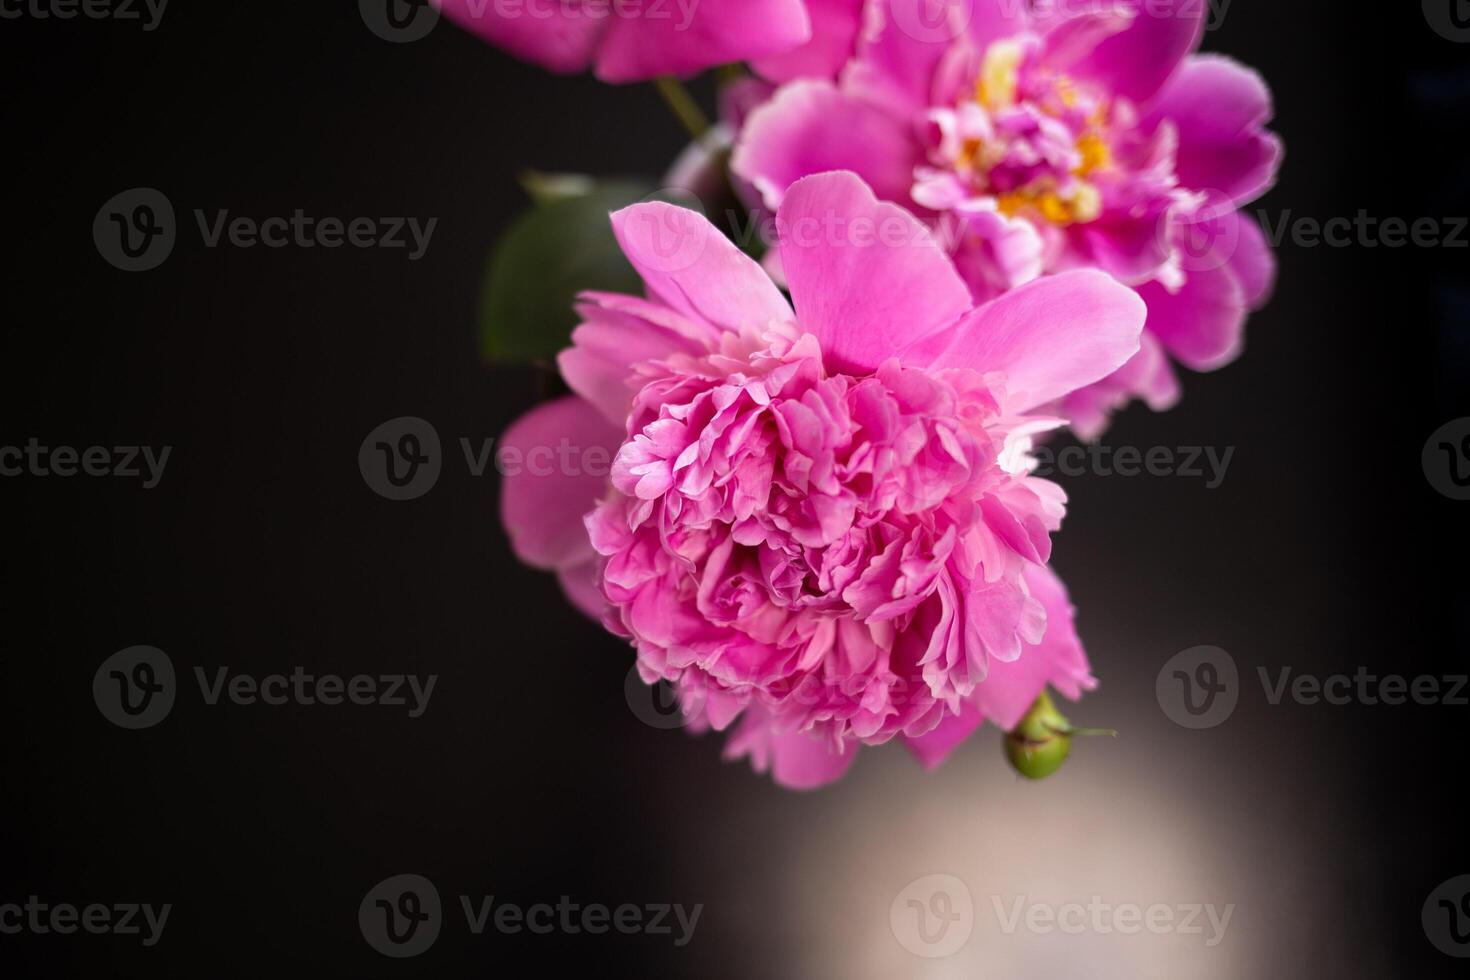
x,y
551,254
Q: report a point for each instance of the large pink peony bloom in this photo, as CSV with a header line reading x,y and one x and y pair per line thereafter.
x,y
819,523
633,40
1045,137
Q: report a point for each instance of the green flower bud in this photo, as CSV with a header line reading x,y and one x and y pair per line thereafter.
x,y
1042,740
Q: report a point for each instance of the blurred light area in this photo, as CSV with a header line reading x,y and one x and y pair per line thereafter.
x,y
1160,815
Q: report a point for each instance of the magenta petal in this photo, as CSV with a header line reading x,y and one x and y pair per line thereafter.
x,y
1253,262
689,265
1058,660
563,42
934,747
796,760
810,127
867,278
1050,336
583,588
1137,61
903,43
617,332
1203,324
543,499
683,38
1219,107
835,26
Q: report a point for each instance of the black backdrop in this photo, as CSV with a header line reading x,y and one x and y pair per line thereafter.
x,y
528,777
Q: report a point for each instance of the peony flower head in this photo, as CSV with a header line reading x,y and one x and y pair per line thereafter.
x,y
634,40
819,522
1041,137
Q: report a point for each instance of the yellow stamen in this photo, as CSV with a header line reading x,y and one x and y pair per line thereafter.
x,y
996,87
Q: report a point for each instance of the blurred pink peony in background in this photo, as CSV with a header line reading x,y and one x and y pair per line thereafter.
x,y
634,40
818,523
1042,137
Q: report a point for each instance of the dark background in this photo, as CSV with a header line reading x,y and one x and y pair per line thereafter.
x,y
529,778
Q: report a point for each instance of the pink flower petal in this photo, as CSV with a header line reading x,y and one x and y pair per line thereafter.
x,y
867,278
543,500
1050,336
835,26
1219,107
680,39
1137,61
689,265
934,747
563,42
810,127
1203,324
1058,660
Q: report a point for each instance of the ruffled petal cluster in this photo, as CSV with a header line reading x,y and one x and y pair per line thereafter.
x,y
1042,137
818,522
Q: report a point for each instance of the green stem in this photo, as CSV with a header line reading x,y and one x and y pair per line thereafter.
x,y
683,106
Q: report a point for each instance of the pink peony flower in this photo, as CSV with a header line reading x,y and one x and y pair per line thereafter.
x,y
1045,137
818,523
633,40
